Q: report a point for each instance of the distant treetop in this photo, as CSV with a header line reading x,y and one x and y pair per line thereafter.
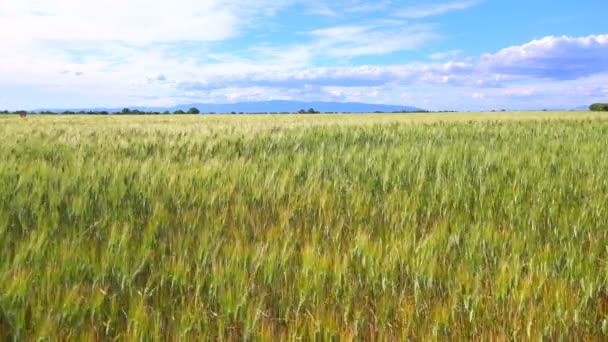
x,y
599,107
310,111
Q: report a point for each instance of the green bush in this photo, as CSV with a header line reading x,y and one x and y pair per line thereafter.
x,y
599,107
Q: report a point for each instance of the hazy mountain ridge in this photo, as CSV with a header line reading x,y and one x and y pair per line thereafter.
x,y
261,107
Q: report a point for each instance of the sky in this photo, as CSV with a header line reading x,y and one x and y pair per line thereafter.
x,y
437,55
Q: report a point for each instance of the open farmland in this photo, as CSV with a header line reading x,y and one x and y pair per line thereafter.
x,y
462,226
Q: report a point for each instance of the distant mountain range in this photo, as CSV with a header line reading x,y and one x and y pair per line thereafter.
x,y
261,107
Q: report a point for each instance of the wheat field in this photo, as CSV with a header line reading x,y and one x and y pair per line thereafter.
x,y
485,226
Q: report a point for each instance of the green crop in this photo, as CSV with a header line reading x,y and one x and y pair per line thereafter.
x,y
385,227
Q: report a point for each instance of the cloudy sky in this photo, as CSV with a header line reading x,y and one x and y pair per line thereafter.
x,y
439,55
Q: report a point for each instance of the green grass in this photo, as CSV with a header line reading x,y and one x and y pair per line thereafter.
x,y
461,226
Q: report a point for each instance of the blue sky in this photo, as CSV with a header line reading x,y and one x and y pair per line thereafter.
x,y
439,55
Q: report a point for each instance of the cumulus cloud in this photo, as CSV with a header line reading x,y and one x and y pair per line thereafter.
x,y
361,76
559,58
579,57
517,73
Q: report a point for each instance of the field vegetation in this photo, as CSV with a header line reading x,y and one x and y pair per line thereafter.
x,y
358,227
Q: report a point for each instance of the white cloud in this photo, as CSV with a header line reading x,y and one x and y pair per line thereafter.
x,y
154,78
291,69
552,58
347,42
367,6
374,39
485,79
521,92
136,21
428,10
446,55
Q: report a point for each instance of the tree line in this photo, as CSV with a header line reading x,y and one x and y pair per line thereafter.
x,y
125,111
193,110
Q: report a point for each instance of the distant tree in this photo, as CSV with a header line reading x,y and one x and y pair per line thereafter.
x,y
312,111
126,111
4,112
232,112
599,107
179,112
194,110
166,112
